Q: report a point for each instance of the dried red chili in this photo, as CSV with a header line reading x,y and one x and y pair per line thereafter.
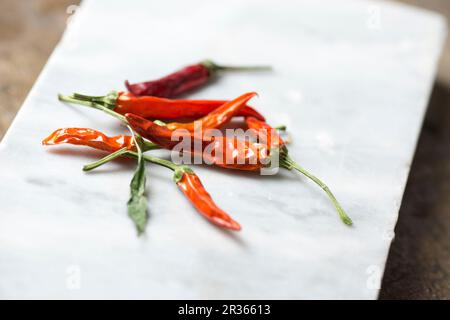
x,y
160,108
230,152
225,152
237,154
89,137
181,81
122,145
217,117
194,190
266,133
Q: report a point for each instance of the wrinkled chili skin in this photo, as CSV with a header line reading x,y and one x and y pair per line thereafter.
x,y
162,108
218,117
236,154
265,132
225,152
89,137
174,84
189,183
160,134
194,190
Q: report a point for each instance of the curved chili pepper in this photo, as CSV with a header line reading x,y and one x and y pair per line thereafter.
x,y
181,81
225,152
185,178
174,84
190,185
161,108
89,137
194,190
228,151
229,148
218,117
235,153
266,134
160,135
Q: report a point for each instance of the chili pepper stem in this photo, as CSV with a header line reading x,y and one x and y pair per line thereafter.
x,y
91,104
86,97
216,67
178,170
289,164
124,152
281,128
108,101
165,163
104,160
181,172
146,144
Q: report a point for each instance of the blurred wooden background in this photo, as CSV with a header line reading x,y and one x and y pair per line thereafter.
x,y
419,261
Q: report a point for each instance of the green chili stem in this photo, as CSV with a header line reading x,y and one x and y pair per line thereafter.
x,y
104,160
216,67
288,163
86,97
131,154
146,144
162,162
280,128
92,105
244,68
109,101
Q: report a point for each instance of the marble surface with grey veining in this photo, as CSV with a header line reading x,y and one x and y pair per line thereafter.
x,y
351,81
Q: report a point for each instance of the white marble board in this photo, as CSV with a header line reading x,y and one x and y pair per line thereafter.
x,y
351,81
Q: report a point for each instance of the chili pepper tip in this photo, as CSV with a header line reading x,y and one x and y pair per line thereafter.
x,y
346,219
128,86
232,225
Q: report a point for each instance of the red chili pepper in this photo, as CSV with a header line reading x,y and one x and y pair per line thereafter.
x,y
89,137
216,118
265,132
186,79
193,189
230,153
159,108
225,152
184,177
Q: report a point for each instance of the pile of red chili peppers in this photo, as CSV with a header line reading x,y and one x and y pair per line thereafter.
x,y
142,110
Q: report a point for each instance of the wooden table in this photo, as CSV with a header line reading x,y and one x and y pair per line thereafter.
x,y
419,263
